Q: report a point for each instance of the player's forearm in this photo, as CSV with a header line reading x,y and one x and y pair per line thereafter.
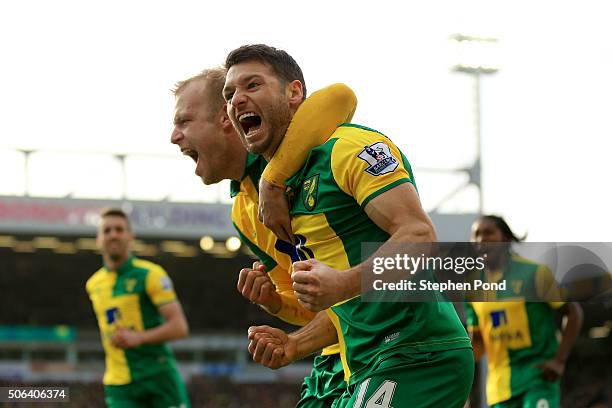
x,y
477,345
173,329
273,306
413,233
570,331
316,335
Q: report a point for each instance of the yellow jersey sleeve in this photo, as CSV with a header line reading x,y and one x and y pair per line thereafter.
x,y
312,125
291,311
89,284
365,164
159,286
547,287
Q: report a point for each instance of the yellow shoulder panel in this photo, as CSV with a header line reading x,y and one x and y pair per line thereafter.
x,y
158,284
363,162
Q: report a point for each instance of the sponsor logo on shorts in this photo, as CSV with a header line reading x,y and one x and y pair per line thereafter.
x,y
379,158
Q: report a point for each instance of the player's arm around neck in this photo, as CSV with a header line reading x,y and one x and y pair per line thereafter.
x,y
312,125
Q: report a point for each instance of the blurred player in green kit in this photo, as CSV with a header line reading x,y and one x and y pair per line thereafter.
x,y
525,360
138,312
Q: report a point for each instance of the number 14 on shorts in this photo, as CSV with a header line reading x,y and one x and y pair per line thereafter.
x,y
381,398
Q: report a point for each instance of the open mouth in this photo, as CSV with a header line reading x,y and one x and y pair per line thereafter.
x,y
191,153
250,122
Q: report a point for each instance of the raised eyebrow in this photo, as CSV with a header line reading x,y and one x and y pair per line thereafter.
x,y
226,88
250,78
226,92
242,80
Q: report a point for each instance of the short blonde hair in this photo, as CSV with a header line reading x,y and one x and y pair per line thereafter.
x,y
214,79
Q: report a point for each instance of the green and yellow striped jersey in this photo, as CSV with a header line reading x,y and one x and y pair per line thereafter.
x,y
129,298
275,254
517,335
331,191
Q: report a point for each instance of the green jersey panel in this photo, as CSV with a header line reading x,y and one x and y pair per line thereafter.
x,y
330,193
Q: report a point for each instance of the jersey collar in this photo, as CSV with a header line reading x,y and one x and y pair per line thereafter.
x,y
253,162
126,266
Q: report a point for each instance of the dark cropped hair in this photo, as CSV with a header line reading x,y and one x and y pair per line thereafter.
x,y
116,212
283,64
503,226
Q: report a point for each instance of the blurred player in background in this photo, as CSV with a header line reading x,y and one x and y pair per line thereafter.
x,y
202,130
353,188
138,312
525,360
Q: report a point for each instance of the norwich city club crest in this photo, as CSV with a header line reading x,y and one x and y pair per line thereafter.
x,y
517,286
130,284
309,192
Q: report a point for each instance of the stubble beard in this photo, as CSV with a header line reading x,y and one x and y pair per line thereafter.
x,y
116,254
279,117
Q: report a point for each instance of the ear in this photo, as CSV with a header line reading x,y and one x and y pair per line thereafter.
x,y
295,91
226,123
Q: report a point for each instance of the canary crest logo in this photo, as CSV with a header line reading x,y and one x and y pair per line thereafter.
x,y
310,191
130,284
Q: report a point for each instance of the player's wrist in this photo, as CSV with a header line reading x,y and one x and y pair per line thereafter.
x,y
274,305
350,283
295,348
141,338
